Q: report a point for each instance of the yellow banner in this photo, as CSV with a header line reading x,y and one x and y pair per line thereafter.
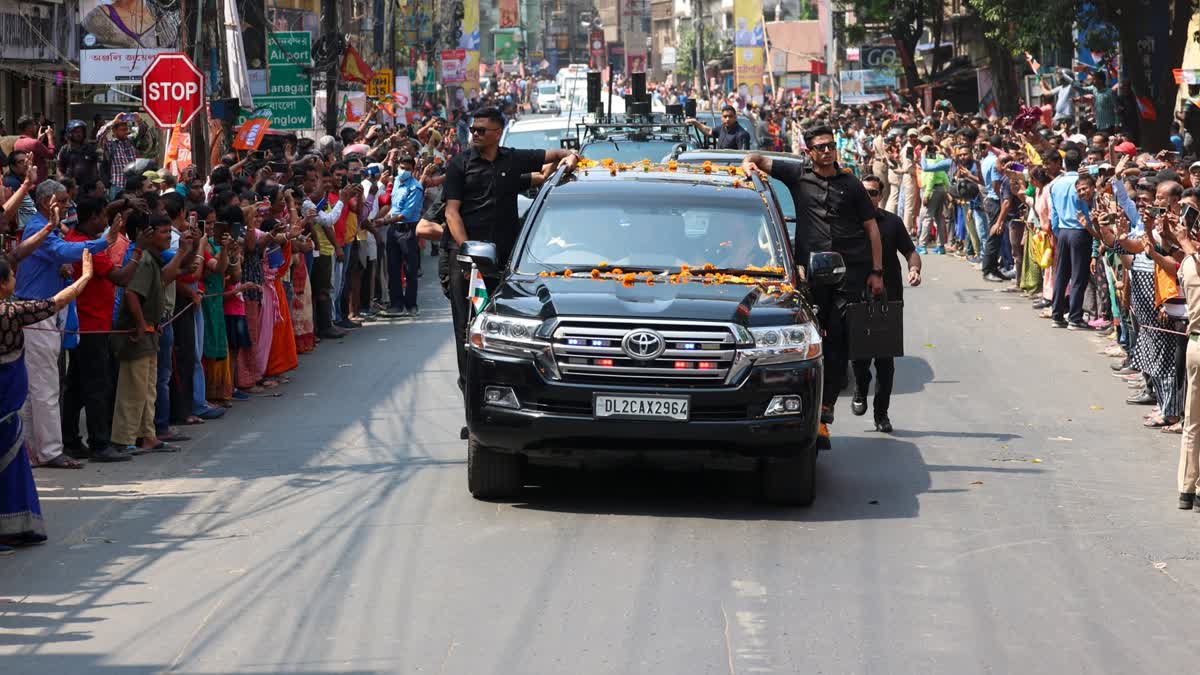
x,y
470,27
748,23
471,84
749,67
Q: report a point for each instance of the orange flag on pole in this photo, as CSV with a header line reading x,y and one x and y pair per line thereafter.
x,y
354,68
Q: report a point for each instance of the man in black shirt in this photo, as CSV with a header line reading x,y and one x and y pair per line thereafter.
x,y
896,244
481,190
730,136
833,213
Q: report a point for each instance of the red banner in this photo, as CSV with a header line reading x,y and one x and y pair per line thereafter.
x,y
510,13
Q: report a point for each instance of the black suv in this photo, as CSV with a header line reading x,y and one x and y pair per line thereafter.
x,y
651,313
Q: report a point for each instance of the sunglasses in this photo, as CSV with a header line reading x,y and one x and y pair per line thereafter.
x,y
479,131
822,147
873,192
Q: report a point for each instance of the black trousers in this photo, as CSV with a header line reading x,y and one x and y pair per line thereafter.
x,y
991,247
89,387
322,289
831,304
185,363
1072,265
885,369
403,255
454,278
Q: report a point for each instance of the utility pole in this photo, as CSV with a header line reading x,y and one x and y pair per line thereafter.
x,y
329,26
389,33
199,130
698,24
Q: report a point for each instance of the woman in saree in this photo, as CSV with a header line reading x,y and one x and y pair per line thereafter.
x,y
277,261
218,374
20,512
249,374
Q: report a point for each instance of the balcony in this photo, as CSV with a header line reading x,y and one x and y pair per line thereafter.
x,y
37,31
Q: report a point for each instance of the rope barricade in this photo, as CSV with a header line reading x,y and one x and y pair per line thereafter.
x,y
129,331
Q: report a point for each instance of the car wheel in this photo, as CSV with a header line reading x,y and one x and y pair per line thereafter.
x,y
790,480
491,474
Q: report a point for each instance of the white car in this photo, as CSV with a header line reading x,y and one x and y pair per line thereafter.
x,y
537,134
545,98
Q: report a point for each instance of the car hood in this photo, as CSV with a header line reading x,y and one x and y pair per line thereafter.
x,y
545,298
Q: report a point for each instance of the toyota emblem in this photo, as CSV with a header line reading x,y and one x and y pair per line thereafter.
x,y
644,345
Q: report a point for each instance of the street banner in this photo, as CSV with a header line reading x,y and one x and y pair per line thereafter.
x,y
135,24
454,66
114,66
510,13
354,68
749,57
381,84
469,42
865,86
506,48
748,23
748,71
250,134
403,92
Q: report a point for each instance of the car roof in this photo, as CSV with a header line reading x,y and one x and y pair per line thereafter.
x,y
538,124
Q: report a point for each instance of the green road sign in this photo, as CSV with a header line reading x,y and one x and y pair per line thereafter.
x,y
288,113
291,47
286,80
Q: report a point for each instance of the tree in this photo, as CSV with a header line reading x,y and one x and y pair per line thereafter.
x,y
685,63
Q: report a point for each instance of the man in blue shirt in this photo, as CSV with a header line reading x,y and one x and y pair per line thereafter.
x,y
403,250
39,279
1073,248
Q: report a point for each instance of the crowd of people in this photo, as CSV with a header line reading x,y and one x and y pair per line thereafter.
x,y
141,303
146,302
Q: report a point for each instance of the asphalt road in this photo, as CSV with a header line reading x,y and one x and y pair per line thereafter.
x,y
1020,520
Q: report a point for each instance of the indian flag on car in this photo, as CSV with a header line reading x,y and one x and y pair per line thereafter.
x,y
477,291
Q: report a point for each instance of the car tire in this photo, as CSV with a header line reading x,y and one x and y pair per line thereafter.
x,y
790,480
491,474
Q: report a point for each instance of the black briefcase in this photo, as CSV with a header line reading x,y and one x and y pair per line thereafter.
x,y
875,328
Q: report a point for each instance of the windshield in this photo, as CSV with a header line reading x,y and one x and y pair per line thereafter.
x,y
547,88
786,205
539,139
651,230
628,152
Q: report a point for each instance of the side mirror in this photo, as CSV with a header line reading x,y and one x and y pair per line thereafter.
x,y
569,143
826,269
482,254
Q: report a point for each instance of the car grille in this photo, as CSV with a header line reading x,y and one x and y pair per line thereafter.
x,y
695,354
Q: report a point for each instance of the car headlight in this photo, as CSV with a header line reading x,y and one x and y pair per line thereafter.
x,y
801,341
508,335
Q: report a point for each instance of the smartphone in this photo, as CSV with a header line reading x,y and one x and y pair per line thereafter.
x,y
1189,215
221,229
1019,168
1156,211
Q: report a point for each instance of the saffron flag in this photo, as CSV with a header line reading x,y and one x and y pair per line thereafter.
x,y
1146,108
354,68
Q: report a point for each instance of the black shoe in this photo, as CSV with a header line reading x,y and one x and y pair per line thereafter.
x,y
883,424
464,433
110,454
1058,323
826,415
331,335
1141,398
347,324
1186,501
76,451
858,405
1042,304
1079,325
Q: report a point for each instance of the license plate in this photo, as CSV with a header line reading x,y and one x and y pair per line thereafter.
x,y
672,408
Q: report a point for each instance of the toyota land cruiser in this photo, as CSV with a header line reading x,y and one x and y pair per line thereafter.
x,y
650,313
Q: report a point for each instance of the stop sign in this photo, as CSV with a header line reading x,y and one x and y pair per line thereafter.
x,y
172,89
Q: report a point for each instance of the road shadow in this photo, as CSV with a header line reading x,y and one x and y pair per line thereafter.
x,y
862,478
113,527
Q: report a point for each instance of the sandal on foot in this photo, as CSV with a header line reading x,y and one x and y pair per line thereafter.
x,y
62,462
192,419
1176,428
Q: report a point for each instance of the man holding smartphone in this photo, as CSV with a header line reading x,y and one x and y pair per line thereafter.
x,y
113,140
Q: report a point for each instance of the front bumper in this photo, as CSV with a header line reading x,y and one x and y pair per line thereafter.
x,y
555,418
